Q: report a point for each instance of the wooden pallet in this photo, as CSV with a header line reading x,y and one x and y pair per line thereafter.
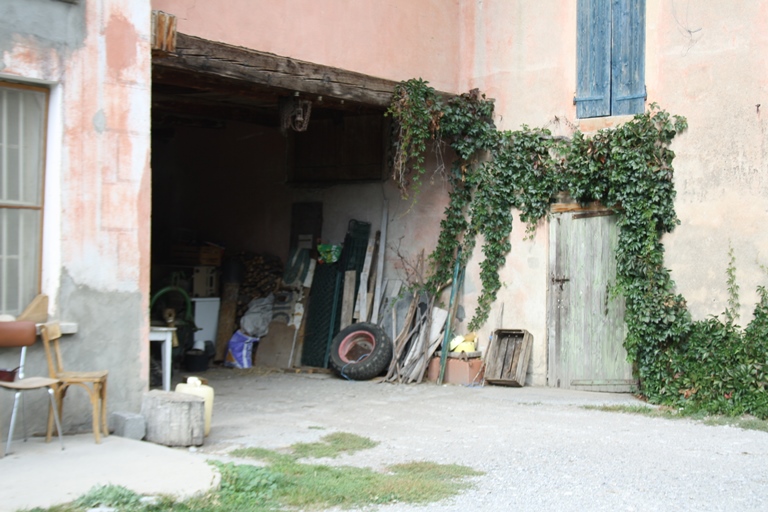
x,y
508,357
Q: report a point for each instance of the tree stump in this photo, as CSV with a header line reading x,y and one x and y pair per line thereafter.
x,y
174,419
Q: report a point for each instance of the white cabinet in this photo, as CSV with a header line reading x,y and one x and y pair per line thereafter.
x,y
206,318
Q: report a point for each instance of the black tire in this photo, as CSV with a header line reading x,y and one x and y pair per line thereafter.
x,y
360,351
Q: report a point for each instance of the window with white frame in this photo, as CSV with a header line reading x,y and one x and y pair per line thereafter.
x,y
610,42
23,112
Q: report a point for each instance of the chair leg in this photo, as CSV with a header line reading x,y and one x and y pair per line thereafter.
x,y
104,408
62,392
93,394
16,400
23,417
55,417
49,427
53,414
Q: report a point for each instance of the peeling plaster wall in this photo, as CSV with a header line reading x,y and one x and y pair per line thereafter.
x,y
95,57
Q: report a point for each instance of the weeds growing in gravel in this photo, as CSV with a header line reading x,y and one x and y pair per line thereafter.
x,y
284,483
333,445
744,422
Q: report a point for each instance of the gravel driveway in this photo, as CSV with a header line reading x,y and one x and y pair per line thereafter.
x,y
538,447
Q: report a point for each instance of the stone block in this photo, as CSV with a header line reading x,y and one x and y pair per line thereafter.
x,y
174,419
128,424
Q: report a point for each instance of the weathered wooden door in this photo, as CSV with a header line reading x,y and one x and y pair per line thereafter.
x,y
585,322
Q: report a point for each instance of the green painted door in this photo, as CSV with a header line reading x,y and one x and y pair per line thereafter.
x,y
586,326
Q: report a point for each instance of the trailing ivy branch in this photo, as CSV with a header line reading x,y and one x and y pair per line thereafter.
x,y
416,111
732,311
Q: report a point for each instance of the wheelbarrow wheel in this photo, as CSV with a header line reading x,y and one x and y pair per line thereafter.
x,y
360,351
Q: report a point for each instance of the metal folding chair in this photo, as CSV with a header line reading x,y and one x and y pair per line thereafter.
x,y
23,334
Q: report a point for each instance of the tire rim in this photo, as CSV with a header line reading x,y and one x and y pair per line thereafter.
x,y
356,346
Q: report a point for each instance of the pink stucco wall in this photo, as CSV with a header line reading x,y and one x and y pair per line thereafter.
x,y
393,39
705,61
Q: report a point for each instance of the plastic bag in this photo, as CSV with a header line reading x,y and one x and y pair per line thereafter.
x,y
240,350
255,321
328,253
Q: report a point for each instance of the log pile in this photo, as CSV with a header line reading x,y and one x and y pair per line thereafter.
x,y
261,276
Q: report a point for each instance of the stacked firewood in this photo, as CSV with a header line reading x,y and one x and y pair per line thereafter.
x,y
261,276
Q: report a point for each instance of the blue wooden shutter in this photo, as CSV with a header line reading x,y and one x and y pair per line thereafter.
x,y
593,59
628,57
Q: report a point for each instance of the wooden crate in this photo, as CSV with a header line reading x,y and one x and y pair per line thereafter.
x,y
508,357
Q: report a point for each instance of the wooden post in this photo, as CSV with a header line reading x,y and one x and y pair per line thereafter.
x,y
380,263
348,298
451,312
361,310
163,31
226,319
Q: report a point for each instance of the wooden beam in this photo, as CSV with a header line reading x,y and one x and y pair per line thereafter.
x,y
163,32
215,58
596,213
576,207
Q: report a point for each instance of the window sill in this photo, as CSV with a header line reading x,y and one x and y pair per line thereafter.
x,y
66,327
593,124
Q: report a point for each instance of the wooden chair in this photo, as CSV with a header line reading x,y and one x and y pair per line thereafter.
x,y
23,334
95,383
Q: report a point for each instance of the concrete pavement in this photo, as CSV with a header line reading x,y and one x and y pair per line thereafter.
x,y
37,474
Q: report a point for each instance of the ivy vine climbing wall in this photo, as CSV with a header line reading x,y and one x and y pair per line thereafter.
x,y
499,173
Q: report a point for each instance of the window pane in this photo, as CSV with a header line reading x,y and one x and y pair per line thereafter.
x,y
19,258
22,116
13,180
12,114
31,151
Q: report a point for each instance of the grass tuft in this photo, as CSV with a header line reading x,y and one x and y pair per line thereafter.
x,y
109,496
333,445
644,410
744,422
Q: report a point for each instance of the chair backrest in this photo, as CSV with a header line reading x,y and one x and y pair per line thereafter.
x,y
51,332
17,334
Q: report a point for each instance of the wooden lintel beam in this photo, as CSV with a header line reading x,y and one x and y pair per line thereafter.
x,y
576,207
591,214
208,57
